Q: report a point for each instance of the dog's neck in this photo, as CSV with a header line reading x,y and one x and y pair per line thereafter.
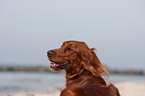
x,y
82,74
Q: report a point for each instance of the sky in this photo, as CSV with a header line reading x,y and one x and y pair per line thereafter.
x,y
116,28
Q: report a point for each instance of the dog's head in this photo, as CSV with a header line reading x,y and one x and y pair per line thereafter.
x,y
74,55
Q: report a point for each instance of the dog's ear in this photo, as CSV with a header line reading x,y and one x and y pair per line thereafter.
x,y
91,62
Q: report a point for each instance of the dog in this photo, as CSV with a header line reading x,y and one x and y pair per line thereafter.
x,y
83,70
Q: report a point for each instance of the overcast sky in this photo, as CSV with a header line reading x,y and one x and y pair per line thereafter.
x,y
116,28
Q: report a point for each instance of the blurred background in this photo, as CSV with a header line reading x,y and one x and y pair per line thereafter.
x,y
29,28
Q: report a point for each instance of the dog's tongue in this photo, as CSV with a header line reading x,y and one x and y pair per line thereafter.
x,y
54,64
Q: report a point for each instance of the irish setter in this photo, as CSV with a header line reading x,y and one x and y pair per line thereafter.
x,y
83,70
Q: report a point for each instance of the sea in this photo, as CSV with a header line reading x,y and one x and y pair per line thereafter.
x,y
12,82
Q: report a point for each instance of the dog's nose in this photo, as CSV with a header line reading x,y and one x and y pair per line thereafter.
x,y
50,53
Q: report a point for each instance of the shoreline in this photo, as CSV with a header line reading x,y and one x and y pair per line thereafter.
x,y
127,88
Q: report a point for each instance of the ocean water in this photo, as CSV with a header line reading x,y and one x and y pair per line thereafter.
x,y
11,82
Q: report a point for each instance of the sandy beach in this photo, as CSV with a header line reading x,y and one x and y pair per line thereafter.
x,y
134,88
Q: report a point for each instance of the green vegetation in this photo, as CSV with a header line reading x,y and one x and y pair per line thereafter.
x,y
25,69
130,71
46,69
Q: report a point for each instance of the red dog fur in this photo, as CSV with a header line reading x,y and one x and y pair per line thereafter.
x,y
83,70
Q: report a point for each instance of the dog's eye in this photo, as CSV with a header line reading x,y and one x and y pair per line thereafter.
x,y
69,49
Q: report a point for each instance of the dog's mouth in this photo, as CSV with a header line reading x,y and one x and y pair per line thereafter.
x,y
58,66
